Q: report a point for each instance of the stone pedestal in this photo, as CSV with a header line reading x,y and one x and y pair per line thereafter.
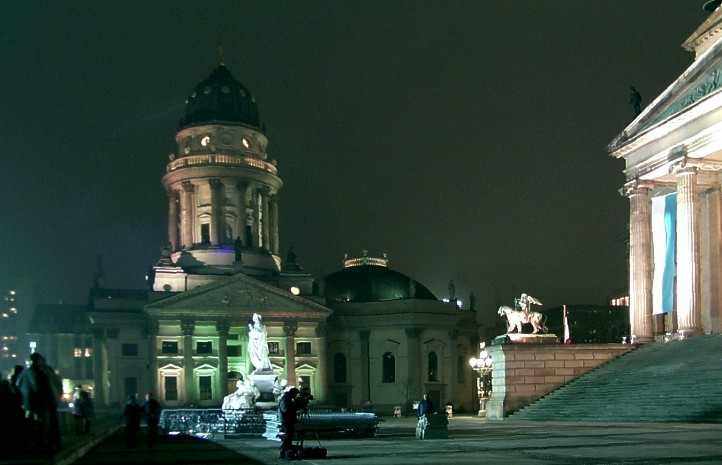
x,y
522,373
264,382
521,338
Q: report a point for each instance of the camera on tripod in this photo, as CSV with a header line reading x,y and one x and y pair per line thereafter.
x,y
304,398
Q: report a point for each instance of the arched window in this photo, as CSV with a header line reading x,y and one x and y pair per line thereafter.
x,y
433,367
389,368
339,368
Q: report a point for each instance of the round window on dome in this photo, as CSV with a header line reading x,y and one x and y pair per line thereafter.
x,y
193,95
207,90
226,90
242,92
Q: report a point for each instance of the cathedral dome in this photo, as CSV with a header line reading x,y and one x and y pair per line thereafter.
x,y
372,283
220,98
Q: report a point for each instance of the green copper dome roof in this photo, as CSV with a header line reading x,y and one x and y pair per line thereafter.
x,y
371,283
220,98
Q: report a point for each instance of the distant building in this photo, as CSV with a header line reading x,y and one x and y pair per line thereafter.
x,y
673,156
10,349
374,335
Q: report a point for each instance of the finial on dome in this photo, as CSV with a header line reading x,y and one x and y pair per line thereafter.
x,y
220,54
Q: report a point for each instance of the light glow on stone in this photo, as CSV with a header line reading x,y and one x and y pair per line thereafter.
x,y
295,290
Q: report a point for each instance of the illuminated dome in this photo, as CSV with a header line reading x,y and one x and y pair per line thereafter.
x,y
220,98
368,279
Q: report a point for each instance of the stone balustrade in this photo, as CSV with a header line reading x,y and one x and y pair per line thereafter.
x,y
222,160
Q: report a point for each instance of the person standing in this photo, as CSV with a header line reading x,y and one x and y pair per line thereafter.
x,y
426,407
41,388
152,409
288,409
132,413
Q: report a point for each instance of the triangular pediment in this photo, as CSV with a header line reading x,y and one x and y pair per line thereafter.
x,y
700,81
237,294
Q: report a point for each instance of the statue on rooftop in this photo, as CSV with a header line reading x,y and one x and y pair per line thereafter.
x,y
635,99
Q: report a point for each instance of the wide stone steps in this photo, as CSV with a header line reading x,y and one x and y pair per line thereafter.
x,y
676,381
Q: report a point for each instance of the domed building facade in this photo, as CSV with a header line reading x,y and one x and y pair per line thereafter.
x,y
391,340
372,335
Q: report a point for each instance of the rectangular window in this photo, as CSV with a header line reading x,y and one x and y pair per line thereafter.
x,y
169,347
204,387
305,382
171,388
303,348
234,351
204,347
131,386
205,233
233,337
88,352
274,348
129,350
77,352
460,370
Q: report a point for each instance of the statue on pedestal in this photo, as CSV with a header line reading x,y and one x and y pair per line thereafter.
x,y
258,345
516,318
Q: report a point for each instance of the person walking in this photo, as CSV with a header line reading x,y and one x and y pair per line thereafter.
x,y
41,388
152,410
132,414
83,411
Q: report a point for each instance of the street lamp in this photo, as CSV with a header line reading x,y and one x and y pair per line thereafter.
x,y
482,365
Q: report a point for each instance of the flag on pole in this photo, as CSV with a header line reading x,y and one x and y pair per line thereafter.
x,y
664,238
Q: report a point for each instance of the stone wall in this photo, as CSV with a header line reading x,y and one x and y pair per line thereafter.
x,y
522,373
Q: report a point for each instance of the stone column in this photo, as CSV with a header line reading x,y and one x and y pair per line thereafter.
x,y
688,286
187,328
151,333
173,219
413,368
365,365
289,330
275,241
186,204
266,222
640,262
100,367
222,327
451,367
241,212
711,321
216,211
323,368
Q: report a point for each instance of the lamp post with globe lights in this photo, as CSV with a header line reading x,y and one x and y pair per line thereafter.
x,y
482,366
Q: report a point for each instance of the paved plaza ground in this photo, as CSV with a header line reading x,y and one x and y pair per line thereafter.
x,y
471,441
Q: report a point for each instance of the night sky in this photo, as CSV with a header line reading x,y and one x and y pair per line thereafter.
x,y
466,139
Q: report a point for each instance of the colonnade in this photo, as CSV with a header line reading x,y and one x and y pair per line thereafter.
x,y
689,283
254,205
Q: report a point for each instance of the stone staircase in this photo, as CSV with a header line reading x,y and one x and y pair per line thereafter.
x,y
677,381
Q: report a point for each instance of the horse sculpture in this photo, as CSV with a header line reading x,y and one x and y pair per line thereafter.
x,y
516,318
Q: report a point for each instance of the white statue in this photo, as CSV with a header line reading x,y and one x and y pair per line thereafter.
x,y
525,301
243,398
258,345
515,318
279,387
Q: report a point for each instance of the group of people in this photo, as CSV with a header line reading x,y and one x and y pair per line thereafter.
x,y
29,402
134,412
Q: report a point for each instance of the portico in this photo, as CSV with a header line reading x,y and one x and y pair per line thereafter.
x,y
673,155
